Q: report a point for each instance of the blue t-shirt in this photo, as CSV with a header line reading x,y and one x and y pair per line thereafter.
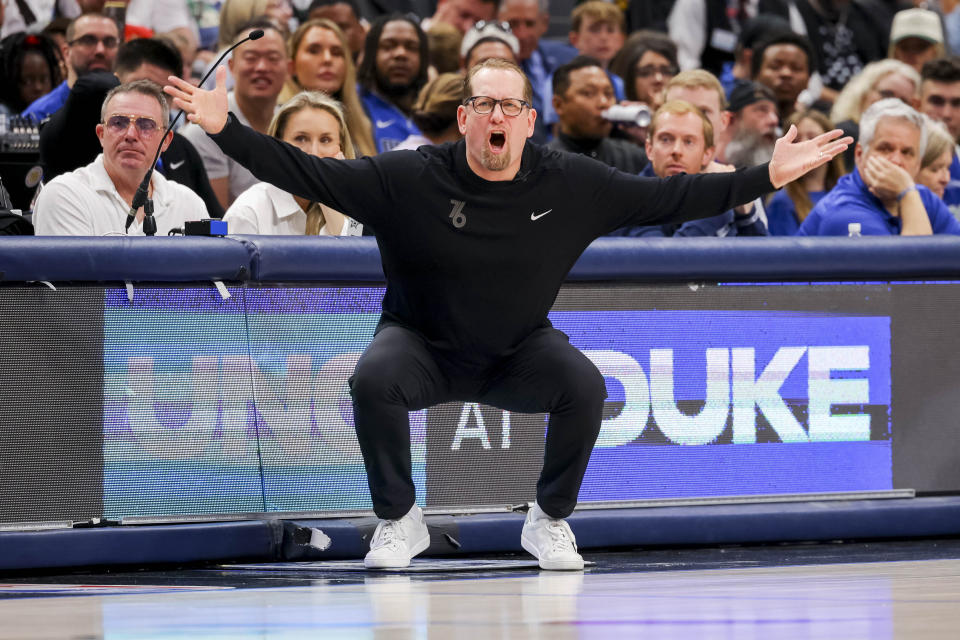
x,y
782,214
390,125
45,106
851,201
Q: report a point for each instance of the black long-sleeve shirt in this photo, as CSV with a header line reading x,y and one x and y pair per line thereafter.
x,y
472,265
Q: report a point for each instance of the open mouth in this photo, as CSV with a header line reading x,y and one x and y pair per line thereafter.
x,y
498,140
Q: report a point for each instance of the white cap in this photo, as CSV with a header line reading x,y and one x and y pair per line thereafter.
x,y
916,23
489,30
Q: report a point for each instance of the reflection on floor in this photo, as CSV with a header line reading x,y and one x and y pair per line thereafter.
x,y
863,590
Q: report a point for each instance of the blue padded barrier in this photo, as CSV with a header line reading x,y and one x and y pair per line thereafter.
x,y
290,258
111,546
112,259
301,258
671,526
298,258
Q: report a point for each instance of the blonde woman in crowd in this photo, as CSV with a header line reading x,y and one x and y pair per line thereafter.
x,y
790,206
878,80
314,123
935,166
320,61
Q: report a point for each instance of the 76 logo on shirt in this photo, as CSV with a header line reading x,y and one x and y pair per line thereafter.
x,y
456,214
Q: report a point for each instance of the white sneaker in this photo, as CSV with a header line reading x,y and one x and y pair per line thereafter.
x,y
550,541
396,541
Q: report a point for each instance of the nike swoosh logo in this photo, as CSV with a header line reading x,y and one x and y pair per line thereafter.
x,y
176,165
384,123
537,216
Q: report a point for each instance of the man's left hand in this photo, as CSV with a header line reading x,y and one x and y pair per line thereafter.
x,y
791,159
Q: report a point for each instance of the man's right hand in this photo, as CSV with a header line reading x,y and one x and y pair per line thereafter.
x,y
884,179
206,108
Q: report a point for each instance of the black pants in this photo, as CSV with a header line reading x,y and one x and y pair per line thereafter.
x,y
399,373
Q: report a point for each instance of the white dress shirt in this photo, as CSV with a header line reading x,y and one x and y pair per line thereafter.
x,y
264,209
85,202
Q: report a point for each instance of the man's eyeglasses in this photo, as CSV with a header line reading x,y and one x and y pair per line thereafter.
x,y
119,123
90,41
648,70
484,105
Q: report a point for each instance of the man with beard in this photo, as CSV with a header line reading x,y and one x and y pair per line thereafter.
x,y
753,127
394,67
92,42
259,69
582,91
95,199
680,140
455,222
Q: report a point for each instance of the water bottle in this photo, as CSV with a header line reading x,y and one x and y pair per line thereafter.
x,y
637,115
853,230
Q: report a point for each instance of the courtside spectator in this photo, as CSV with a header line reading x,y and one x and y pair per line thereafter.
x,y
539,57
916,37
784,63
581,93
394,68
92,42
320,61
940,99
790,206
598,30
703,90
314,123
878,80
462,14
649,64
846,36
487,40
753,126
443,42
680,140
68,141
435,112
31,67
935,166
39,13
95,200
346,15
235,15
881,194
259,69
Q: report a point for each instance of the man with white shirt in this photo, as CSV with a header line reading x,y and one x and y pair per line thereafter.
x,y
39,13
94,200
259,68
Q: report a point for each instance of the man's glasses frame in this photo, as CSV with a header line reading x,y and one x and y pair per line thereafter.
x,y
90,41
484,105
120,123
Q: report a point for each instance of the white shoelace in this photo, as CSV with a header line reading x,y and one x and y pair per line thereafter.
x,y
561,537
389,533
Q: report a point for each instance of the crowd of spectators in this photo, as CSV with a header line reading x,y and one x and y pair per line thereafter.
x,y
719,80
